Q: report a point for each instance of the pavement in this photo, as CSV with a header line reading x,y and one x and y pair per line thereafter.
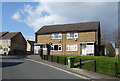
x,y
92,76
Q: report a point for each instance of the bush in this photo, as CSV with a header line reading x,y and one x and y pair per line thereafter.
x,y
111,54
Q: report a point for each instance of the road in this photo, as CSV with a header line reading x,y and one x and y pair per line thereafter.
x,y
15,68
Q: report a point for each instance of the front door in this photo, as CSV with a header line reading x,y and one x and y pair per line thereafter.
x,y
90,49
84,49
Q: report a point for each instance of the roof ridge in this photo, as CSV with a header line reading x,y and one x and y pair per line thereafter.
x,y
10,35
71,23
85,26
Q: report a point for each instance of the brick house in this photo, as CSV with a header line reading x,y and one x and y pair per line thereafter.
x,y
30,47
69,39
12,43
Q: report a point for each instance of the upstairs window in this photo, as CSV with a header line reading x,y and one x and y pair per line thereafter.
x,y
72,35
56,36
56,48
5,41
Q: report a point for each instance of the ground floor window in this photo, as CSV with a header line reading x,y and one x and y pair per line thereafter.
x,y
5,49
72,47
56,47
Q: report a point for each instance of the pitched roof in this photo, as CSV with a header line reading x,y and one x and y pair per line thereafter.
x,y
109,48
31,42
76,27
3,33
9,35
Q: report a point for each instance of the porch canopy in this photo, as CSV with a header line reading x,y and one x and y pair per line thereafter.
x,y
87,48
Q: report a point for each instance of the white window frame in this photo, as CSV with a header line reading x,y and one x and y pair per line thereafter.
x,y
58,48
59,34
68,35
69,46
5,41
5,50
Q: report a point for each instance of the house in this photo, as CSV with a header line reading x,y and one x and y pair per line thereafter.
x,y
109,49
3,33
117,48
12,43
30,46
69,39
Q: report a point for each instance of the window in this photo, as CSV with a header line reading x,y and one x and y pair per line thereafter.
x,y
72,47
56,36
5,49
72,35
56,47
5,41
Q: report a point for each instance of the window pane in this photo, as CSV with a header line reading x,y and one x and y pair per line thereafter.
x,y
68,35
5,49
59,47
72,47
52,48
76,35
59,36
5,41
55,47
55,35
72,35
52,36
68,47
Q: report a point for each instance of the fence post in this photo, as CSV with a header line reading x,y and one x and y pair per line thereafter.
x,y
95,66
116,73
65,61
80,63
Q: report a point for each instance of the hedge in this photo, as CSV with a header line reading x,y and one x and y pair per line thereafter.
x,y
58,59
104,65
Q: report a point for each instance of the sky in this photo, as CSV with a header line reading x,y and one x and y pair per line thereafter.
x,y
28,17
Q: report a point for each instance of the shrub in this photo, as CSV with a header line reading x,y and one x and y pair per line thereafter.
x,y
56,58
111,54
